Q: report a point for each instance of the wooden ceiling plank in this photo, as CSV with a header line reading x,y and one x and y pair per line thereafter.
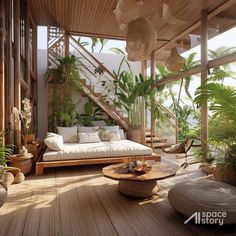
x,y
197,24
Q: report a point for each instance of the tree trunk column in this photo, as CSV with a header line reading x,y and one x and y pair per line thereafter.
x,y
143,128
17,86
153,119
204,70
2,64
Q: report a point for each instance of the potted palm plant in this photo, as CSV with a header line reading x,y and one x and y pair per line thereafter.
x,y
132,93
222,127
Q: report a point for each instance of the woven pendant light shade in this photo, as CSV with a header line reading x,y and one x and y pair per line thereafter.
x,y
174,62
140,39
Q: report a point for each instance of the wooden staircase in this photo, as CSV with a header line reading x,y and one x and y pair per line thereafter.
x,y
153,141
90,81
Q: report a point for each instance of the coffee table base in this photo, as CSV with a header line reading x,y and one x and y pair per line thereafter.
x,y
138,189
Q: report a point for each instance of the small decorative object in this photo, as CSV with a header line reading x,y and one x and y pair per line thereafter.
x,y
25,116
19,177
174,62
23,152
140,38
7,178
138,167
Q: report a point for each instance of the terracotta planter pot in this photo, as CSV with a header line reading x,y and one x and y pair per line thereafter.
x,y
23,163
30,138
225,174
134,135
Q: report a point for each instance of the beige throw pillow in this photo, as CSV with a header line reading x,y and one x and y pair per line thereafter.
x,y
89,137
67,133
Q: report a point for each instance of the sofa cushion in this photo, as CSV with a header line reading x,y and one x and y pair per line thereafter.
x,y
84,129
54,142
67,133
89,137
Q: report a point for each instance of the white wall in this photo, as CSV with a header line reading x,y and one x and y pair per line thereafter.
x,y
112,62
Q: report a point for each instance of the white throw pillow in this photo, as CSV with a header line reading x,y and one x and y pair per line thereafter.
x,y
114,132
85,129
67,133
89,137
122,134
54,142
111,128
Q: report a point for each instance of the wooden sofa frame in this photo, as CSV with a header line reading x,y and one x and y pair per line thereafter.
x,y
40,164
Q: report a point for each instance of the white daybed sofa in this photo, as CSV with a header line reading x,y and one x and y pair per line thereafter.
x,y
94,153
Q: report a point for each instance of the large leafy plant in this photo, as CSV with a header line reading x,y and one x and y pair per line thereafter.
x,y
5,150
90,115
222,124
63,80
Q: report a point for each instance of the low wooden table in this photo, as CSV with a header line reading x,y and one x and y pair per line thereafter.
x,y
135,185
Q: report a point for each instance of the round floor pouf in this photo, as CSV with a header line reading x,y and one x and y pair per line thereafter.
x,y
3,194
203,196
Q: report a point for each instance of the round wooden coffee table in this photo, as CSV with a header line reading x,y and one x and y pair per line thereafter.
x,y
135,185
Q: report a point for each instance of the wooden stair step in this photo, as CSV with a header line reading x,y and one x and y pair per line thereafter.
x,y
156,139
149,134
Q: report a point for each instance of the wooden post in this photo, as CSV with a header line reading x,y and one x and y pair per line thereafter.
x,y
17,86
9,75
204,70
2,65
153,119
27,50
143,128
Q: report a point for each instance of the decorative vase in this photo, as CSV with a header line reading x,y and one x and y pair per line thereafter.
x,y
134,135
30,138
24,163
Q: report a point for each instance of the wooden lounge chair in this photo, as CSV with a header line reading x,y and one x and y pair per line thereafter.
x,y
183,147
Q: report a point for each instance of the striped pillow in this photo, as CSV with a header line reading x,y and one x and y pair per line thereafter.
x,y
89,137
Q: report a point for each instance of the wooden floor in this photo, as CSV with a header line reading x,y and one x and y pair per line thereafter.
x,y
80,201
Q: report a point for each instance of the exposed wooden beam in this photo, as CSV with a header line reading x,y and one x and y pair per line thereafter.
x,y
204,70
17,85
197,69
2,65
196,25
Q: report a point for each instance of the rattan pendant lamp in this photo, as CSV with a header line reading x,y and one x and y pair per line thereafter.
x,y
140,32
140,39
174,62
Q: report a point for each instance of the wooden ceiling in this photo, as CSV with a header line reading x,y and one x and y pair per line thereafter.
x,y
96,17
